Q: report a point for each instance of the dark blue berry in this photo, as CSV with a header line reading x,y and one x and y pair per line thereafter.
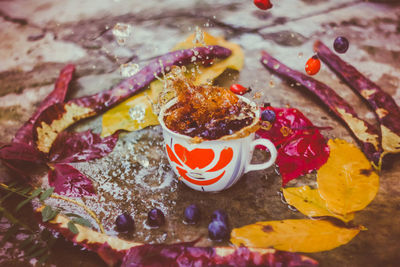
x,y
218,230
124,223
192,214
220,215
341,44
268,115
155,218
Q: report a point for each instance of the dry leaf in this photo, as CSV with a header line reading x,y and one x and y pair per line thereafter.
x,y
347,182
120,118
309,202
294,235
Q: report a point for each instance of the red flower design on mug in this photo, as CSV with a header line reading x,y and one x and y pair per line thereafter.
x,y
199,158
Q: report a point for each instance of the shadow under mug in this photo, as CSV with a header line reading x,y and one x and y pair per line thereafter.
x,y
214,165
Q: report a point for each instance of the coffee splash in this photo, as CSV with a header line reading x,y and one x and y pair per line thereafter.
x,y
205,111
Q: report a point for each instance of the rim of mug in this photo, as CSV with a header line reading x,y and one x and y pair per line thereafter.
x,y
242,133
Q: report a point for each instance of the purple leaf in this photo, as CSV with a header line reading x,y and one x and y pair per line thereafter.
x,y
185,254
25,133
70,182
22,152
21,158
77,147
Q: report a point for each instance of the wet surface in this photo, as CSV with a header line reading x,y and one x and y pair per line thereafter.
x,y
40,37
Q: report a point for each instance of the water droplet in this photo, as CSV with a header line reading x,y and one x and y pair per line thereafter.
x,y
128,69
271,83
276,66
300,55
137,113
198,36
121,32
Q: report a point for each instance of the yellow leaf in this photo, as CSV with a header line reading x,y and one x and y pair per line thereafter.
x,y
309,202
123,116
347,181
206,74
294,235
118,118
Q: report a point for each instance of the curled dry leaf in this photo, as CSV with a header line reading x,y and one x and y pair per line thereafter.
x,y
301,235
301,147
25,134
347,182
366,134
114,250
384,106
84,146
21,155
58,117
309,202
185,254
70,182
136,112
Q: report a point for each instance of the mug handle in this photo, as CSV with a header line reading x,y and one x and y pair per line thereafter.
x,y
272,150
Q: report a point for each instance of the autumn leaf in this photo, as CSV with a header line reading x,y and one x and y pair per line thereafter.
x,y
70,182
185,254
136,112
347,182
207,74
83,146
301,147
302,235
61,87
309,202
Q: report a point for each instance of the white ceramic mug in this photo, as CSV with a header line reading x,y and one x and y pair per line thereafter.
x,y
214,165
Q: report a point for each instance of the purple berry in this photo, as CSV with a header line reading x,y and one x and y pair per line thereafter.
x,y
341,44
268,115
219,215
218,230
124,223
155,218
192,214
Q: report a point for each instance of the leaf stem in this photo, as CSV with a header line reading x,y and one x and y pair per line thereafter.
x,y
88,211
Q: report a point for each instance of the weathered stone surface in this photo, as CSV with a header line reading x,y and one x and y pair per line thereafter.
x,y
39,37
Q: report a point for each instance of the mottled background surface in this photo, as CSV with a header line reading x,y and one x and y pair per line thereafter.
x,y
38,38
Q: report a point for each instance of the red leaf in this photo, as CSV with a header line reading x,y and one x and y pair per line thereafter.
x,y
21,158
301,147
70,182
77,147
22,152
288,121
185,254
25,133
304,152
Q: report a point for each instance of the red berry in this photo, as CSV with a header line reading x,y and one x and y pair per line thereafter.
x,y
313,65
238,89
263,4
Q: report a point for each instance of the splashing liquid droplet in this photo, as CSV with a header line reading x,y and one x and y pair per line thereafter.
x,y
121,32
137,113
271,83
128,69
198,36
